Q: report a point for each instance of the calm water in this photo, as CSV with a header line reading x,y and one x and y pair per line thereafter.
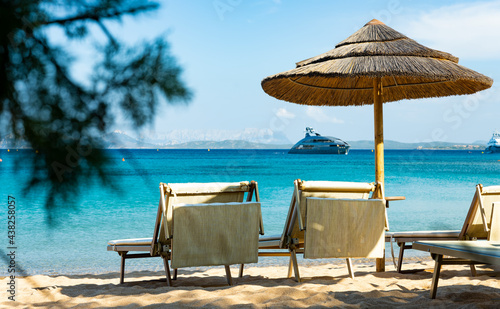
x,y
438,186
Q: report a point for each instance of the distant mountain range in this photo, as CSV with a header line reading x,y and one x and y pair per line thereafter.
x,y
117,140
388,144
120,140
181,136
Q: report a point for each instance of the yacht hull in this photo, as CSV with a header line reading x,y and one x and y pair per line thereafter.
x,y
321,150
492,149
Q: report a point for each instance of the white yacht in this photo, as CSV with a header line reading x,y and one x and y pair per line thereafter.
x,y
314,143
493,145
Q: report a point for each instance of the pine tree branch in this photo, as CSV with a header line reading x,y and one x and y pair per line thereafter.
x,y
107,33
97,14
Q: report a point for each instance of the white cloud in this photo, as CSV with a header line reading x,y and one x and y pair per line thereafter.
x,y
283,113
319,115
468,30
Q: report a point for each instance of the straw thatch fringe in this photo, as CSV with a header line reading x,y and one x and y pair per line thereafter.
x,y
344,75
287,91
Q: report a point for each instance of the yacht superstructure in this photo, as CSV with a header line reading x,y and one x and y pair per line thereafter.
x,y
493,145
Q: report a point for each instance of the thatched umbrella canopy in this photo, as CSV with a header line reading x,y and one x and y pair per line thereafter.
x,y
375,65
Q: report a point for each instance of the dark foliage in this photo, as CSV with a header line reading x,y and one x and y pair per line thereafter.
x,y
59,117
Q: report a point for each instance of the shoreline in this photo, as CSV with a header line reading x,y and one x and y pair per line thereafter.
x,y
142,265
324,285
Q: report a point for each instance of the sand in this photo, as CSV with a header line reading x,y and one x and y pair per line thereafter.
x,y
324,285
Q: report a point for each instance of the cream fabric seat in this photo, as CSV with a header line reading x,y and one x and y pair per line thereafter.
x,y
215,234
344,228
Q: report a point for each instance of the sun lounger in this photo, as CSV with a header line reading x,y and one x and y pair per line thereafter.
x,y
476,226
180,199
461,252
294,237
465,251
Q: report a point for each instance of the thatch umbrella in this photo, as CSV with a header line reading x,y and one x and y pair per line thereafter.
x,y
375,65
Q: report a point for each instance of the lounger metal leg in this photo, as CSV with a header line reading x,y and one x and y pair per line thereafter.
x,y
435,276
241,270
290,265
473,270
167,271
175,274
380,263
400,258
228,275
349,268
293,256
122,267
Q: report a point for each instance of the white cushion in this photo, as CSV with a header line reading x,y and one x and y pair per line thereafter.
x,y
421,234
211,187
491,190
336,186
131,242
270,238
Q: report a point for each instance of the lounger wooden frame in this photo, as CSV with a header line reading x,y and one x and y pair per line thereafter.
x,y
458,252
477,225
188,193
464,252
291,241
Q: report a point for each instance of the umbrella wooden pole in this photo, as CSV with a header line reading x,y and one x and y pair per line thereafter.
x,y
379,131
379,148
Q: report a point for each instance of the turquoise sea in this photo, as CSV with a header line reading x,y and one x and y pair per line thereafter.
x,y
438,186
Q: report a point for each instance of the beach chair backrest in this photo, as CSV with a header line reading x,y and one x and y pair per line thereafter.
x,y
215,234
319,189
494,234
344,228
196,193
479,218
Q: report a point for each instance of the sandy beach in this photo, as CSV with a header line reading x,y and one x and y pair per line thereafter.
x,y
324,285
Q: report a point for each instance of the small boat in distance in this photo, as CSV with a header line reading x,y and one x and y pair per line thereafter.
x,y
493,145
314,143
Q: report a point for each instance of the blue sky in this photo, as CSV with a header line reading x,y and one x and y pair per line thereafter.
x,y
227,47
